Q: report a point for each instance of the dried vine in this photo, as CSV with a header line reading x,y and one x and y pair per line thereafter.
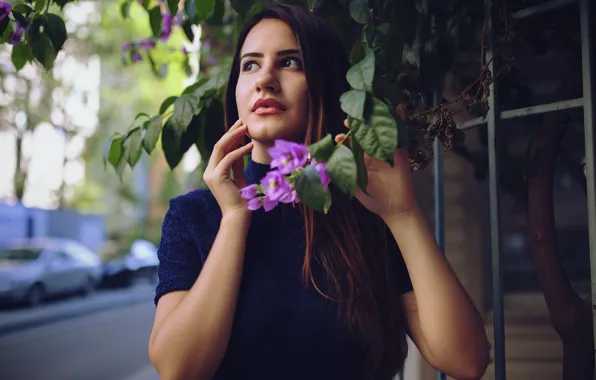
x,y
438,121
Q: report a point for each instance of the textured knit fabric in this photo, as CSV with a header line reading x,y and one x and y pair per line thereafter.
x,y
282,329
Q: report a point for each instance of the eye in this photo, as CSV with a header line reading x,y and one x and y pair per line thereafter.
x,y
292,62
249,65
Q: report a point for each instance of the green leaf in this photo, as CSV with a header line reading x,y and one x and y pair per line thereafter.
x,y
40,5
152,132
173,7
193,87
386,42
166,104
216,17
378,137
56,30
310,190
155,20
411,55
187,29
115,150
359,11
360,165
357,54
133,146
43,50
204,8
5,30
342,169
19,55
184,109
361,75
125,9
170,144
22,8
211,127
352,103
242,7
322,149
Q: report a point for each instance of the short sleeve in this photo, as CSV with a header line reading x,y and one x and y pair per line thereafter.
x,y
179,259
402,277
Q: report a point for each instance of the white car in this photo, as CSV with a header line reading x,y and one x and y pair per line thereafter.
x,y
34,270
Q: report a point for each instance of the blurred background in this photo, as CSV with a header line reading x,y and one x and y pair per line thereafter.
x,y
78,243
78,254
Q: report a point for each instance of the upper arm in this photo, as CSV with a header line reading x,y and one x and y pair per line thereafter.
x,y
179,258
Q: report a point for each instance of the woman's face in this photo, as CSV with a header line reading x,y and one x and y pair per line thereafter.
x,y
272,94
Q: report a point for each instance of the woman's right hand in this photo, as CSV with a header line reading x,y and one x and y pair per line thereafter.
x,y
228,154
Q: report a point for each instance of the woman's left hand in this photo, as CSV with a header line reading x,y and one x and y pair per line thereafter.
x,y
390,189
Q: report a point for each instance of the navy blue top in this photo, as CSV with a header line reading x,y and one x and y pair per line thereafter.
x,y
282,329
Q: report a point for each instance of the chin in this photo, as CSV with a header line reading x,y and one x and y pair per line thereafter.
x,y
267,131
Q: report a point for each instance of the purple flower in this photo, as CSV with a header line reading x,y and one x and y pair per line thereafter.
x,y
255,203
126,46
166,26
288,156
275,185
211,60
147,44
249,192
5,9
15,37
291,197
325,178
136,57
258,202
179,19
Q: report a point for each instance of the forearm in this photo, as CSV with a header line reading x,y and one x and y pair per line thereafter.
x,y
194,337
451,326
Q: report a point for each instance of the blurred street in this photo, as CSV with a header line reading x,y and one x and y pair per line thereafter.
x,y
103,337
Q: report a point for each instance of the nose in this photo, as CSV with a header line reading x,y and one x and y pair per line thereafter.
x,y
267,82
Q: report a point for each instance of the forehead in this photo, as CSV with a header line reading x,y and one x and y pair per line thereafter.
x,y
269,35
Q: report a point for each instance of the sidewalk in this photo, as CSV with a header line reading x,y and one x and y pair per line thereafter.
x,y
146,373
21,318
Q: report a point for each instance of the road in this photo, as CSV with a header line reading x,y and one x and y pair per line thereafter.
x,y
110,344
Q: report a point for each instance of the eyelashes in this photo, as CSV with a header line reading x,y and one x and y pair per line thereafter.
x,y
288,62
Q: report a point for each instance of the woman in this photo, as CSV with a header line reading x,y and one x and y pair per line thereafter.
x,y
291,293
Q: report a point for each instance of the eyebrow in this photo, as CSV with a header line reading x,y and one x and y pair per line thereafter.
x,y
280,53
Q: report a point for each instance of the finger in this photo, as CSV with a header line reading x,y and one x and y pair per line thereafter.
x,y
227,140
341,138
226,163
346,123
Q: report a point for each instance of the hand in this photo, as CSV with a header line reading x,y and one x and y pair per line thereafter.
x,y
227,154
390,189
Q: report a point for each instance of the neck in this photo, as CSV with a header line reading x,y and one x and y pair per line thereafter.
x,y
259,152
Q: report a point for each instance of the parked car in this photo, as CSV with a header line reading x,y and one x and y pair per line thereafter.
x,y
34,270
138,265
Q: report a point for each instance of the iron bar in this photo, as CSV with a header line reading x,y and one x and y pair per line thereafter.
x,y
472,123
439,195
589,106
543,108
541,8
526,111
493,118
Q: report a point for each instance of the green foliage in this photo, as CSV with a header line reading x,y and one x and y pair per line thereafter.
x,y
387,40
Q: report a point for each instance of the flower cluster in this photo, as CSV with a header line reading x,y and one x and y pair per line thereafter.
x,y
19,29
167,24
288,158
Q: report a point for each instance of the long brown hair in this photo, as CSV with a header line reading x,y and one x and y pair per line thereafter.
x,y
350,242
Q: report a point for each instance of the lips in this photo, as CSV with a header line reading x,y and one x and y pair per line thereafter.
x,y
269,104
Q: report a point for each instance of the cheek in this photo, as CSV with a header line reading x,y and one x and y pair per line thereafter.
x,y
242,100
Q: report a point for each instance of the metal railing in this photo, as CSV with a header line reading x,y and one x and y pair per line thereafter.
x,y
493,121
